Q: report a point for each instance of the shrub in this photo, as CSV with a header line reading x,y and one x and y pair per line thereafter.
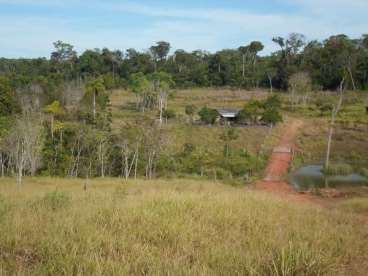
x,y
208,115
243,117
273,102
338,169
169,114
189,148
324,104
272,116
190,110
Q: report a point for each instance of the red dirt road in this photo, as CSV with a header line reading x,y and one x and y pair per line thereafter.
x,y
278,166
282,155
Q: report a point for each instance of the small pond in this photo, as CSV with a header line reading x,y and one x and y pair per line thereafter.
x,y
311,176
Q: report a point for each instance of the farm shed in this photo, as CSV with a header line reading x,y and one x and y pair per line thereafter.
x,y
228,114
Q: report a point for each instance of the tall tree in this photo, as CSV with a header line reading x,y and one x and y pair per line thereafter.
x,y
159,52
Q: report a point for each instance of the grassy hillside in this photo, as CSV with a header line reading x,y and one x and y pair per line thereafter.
x,y
177,227
349,143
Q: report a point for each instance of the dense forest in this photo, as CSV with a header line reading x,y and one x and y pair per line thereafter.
x,y
243,67
55,112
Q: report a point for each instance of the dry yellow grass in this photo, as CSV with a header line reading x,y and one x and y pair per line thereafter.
x,y
177,227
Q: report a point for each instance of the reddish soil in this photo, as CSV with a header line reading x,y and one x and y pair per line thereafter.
x,y
278,166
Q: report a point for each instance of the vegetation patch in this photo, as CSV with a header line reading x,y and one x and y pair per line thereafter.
x,y
338,169
54,201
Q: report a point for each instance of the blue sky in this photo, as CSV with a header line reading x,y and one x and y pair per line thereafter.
x,y
28,27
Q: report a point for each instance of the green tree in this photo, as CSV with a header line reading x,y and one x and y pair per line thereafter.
x,y
208,115
54,110
272,107
8,102
227,137
95,102
159,52
140,86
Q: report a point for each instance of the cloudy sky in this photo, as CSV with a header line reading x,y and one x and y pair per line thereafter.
x,y
28,27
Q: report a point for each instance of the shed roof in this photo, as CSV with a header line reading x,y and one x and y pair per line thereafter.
x,y
228,113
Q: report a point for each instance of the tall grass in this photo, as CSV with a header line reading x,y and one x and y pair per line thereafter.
x,y
338,169
176,227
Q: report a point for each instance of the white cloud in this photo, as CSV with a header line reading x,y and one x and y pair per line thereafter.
x,y
206,28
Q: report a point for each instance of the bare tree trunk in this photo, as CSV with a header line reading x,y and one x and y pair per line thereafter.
x,y
2,164
270,80
94,105
161,109
102,159
52,127
21,159
330,134
136,163
20,175
332,124
352,78
126,166
61,139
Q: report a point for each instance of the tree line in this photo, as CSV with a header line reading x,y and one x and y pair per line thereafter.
x,y
325,62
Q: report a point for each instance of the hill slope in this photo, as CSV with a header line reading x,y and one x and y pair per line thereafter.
x,y
170,227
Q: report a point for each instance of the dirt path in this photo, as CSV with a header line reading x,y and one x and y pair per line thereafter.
x,y
278,166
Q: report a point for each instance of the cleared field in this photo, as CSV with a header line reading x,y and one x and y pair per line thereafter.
x,y
349,144
177,227
181,131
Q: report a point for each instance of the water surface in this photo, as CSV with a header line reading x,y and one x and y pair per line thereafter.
x,y
311,176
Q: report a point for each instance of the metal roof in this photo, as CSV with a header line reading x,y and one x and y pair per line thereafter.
x,y
228,113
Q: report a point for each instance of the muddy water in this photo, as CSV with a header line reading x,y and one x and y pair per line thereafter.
x,y
311,176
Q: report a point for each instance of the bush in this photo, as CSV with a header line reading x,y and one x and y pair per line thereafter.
x,y
268,110
243,117
208,115
338,169
272,116
190,110
273,102
169,114
55,200
324,104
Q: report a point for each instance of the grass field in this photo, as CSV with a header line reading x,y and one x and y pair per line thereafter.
x,y
177,227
